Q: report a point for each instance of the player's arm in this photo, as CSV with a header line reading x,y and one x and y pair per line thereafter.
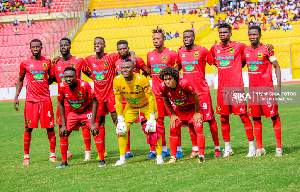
x,y
197,116
63,130
19,85
212,51
178,66
150,96
118,96
244,63
149,65
276,66
133,58
94,128
174,117
85,69
51,74
141,64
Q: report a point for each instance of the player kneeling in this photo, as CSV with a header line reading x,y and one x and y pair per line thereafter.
x,y
83,110
137,91
184,111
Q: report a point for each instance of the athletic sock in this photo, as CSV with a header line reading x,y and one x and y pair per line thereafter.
x,y
100,143
164,148
277,129
195,148
26,139
179,138
258,133
193,137
52,140
122,157
128,143
179,148
64,143
52,154
173,141
86,134
26,156
214,132
200,139
251,145
158,147
227,145
225,128
217,148
248,127
160,122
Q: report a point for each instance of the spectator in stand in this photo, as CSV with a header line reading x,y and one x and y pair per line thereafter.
x,y
125,14
133,14
168,8
171,35
295,18
176,34
195,11
88,14
33,1
168,36
22,8
206,10
200,13
216,9
95,13
264,27
121,15
191,12
242,4
289,27
161,12
28,23
49,9
236,26
183,12
141,13
129,14
251,23
175,8
276,26
272,27
16,31
284,27
44,3
16,23
1,25
145,13
193,29
32,22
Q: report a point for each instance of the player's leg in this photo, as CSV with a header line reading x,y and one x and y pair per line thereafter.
x,y
86,134
47,121
162,112
277,129
249,132
198,131
173,140
195,149
26,140
208,116
101,113
179,153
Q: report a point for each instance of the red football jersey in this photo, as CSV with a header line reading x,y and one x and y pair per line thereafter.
x,y
181,96
259,66
80,99
58,68
229,63
158,61
193,66
36,72
104,72
140,64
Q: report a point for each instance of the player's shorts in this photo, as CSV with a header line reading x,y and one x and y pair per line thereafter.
x,y
42,110
74,120
258,107
206,107
58,117
131,114
106,107
162,110
226,104
185,114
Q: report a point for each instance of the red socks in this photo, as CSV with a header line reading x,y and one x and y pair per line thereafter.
x,y
99,142
247,126
160,122
128,143
52,141
225,127
86,134
258,133
277,129
64,143
193,137
173,140
214,132
198,130
26,139
179,138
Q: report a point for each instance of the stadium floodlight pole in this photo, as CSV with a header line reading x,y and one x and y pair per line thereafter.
x,y
54,30
49,34
65,18
68,18
46,44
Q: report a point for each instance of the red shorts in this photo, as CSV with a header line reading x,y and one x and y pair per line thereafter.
x,y
74,120
259,107
58,117
42,110
227,105
105,107
206,107
185,114
161,108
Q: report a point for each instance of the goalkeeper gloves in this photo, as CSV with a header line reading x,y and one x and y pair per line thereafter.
x,y
121,128
151,124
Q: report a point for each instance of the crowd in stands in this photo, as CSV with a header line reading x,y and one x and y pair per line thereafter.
x,y
277,15
19,5
171,35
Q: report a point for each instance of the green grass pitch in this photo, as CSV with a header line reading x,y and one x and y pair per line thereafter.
x,y
236,173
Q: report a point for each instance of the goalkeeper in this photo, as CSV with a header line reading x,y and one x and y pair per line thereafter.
x,y
137,91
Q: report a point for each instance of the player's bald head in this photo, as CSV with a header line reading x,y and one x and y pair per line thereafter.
x,y
127,68
127,62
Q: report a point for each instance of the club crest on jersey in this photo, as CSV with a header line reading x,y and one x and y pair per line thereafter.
x,y
260,55
164,58
44,65
178,102
79,94
196,54
58,118
219,108
189,68
180,93
137,88
231,50
38,76
224,63
252,67
72,65
99,77
250,110
28,122
105,64
157,70
76,105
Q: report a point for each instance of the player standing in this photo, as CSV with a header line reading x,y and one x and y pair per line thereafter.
x,y
67,60
260,62
123,51
192,60
82,110
229,60
185,111
157,60
137,91
38,102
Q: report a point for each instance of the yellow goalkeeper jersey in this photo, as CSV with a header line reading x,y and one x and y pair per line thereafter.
x,y
137,92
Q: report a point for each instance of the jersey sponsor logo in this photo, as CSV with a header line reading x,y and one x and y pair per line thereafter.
x,y
76,105
189,68
224,63
164,58
44,65
38,76
134,102
260,55
231,50
157,70
196,54
99,77
137,88
252,67
79,94
178,102
28,122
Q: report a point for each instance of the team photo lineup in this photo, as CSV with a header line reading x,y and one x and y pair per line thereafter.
x,y
177,89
